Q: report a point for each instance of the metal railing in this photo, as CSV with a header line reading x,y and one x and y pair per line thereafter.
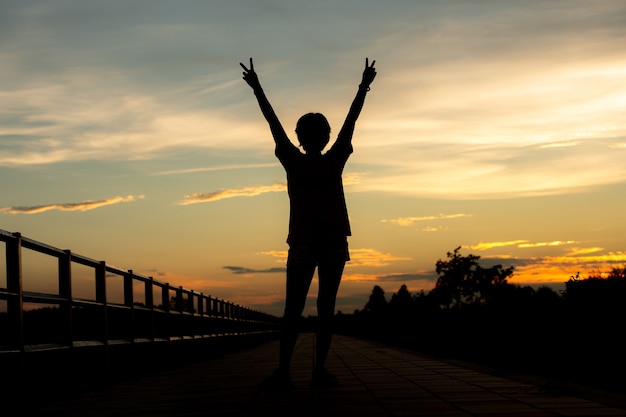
x,y
161,315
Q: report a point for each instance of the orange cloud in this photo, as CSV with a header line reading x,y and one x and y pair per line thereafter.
x,y
583,251
352,178
424,278
358,257
543,244
408,221
281,255
252,191
550,269
522,243
215,168
360,277
82,206
596,260
434,229
372,257
232,192
491,245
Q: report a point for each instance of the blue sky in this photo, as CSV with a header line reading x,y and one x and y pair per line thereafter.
x,y
493,125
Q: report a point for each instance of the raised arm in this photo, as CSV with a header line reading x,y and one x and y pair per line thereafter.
x,y
250,76
369,73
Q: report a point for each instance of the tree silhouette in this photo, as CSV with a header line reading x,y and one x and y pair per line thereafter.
x,y
401,302
462,280
377,303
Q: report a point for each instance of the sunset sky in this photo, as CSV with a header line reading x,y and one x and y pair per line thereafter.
x,y
127,135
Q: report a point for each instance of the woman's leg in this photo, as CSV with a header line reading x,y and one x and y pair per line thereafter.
x,y
300,271
330,273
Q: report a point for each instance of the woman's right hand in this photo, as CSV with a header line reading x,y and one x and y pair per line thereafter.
x,y
249,75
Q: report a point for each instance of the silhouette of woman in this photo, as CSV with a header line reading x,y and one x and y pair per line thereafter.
x,y
318,220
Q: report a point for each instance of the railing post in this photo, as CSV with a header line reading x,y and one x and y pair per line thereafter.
x,y
165,302
179,299
211,306
101,285
101,298
148,288
149,291
201,304
180,308
65,291
191,302
165,297
129,302
191,327
201,329
223,328
15,302
128,288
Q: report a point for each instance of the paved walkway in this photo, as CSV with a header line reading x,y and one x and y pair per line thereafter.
x,y
376,380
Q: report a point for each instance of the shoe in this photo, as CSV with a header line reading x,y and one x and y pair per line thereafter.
x,y
324,379
279,381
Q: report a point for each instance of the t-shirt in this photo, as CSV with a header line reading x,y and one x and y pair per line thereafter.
x,y
317,206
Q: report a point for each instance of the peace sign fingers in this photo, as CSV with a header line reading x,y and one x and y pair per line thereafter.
x,y
249,75
369,73
251,69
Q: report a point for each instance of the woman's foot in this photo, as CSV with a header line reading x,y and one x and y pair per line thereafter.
x,y
280,380
323,379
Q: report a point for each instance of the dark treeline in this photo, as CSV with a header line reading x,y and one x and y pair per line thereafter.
x,y
474,314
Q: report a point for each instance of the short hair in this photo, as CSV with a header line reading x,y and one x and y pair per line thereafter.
x,y
313,131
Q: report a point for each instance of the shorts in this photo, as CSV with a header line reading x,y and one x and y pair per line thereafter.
x,y
326,251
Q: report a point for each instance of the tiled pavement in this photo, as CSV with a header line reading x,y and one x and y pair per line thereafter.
x,y
376,380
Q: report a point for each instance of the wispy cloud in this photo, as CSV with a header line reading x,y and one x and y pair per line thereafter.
x,y
214,168
232,193
358,257
408,221
81,206
351,178
421,279
360,277
244,270
430,276
491,245
545,244
609,258
280,255
432,229
584,251
372,258
252,191
522,243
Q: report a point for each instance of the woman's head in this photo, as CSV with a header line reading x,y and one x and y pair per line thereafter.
x,y
313,132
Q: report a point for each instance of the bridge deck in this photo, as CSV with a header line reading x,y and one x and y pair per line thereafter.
x,y
376,380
